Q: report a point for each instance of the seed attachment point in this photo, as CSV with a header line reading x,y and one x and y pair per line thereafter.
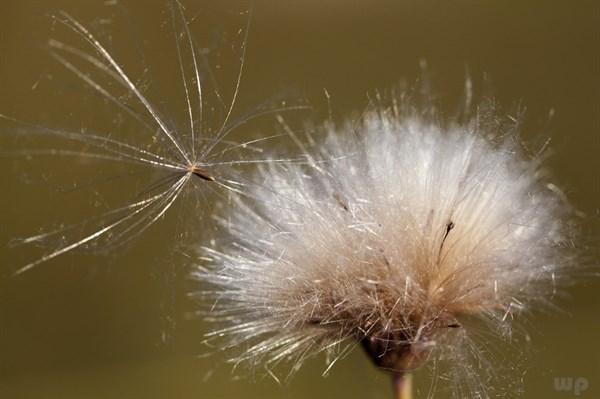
x,y
201,173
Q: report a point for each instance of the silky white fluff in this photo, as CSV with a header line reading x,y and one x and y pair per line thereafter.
x,y
399,229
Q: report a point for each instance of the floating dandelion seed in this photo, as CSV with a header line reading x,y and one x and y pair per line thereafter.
x,y
414,228
195,151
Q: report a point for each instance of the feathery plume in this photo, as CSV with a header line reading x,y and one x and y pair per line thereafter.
x,y
401,230
196,150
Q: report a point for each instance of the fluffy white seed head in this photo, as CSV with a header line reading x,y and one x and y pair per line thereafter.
x,y
398,231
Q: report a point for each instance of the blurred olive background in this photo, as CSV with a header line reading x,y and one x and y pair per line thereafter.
x,y
114,325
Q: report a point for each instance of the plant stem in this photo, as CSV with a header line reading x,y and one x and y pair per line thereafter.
x,y
402,384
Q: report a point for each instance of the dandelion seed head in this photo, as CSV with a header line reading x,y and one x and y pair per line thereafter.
x,y
398,228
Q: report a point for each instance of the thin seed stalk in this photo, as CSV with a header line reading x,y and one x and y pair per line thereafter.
x,y
402,385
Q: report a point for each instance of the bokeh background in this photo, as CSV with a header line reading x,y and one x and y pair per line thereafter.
x,y
114,324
